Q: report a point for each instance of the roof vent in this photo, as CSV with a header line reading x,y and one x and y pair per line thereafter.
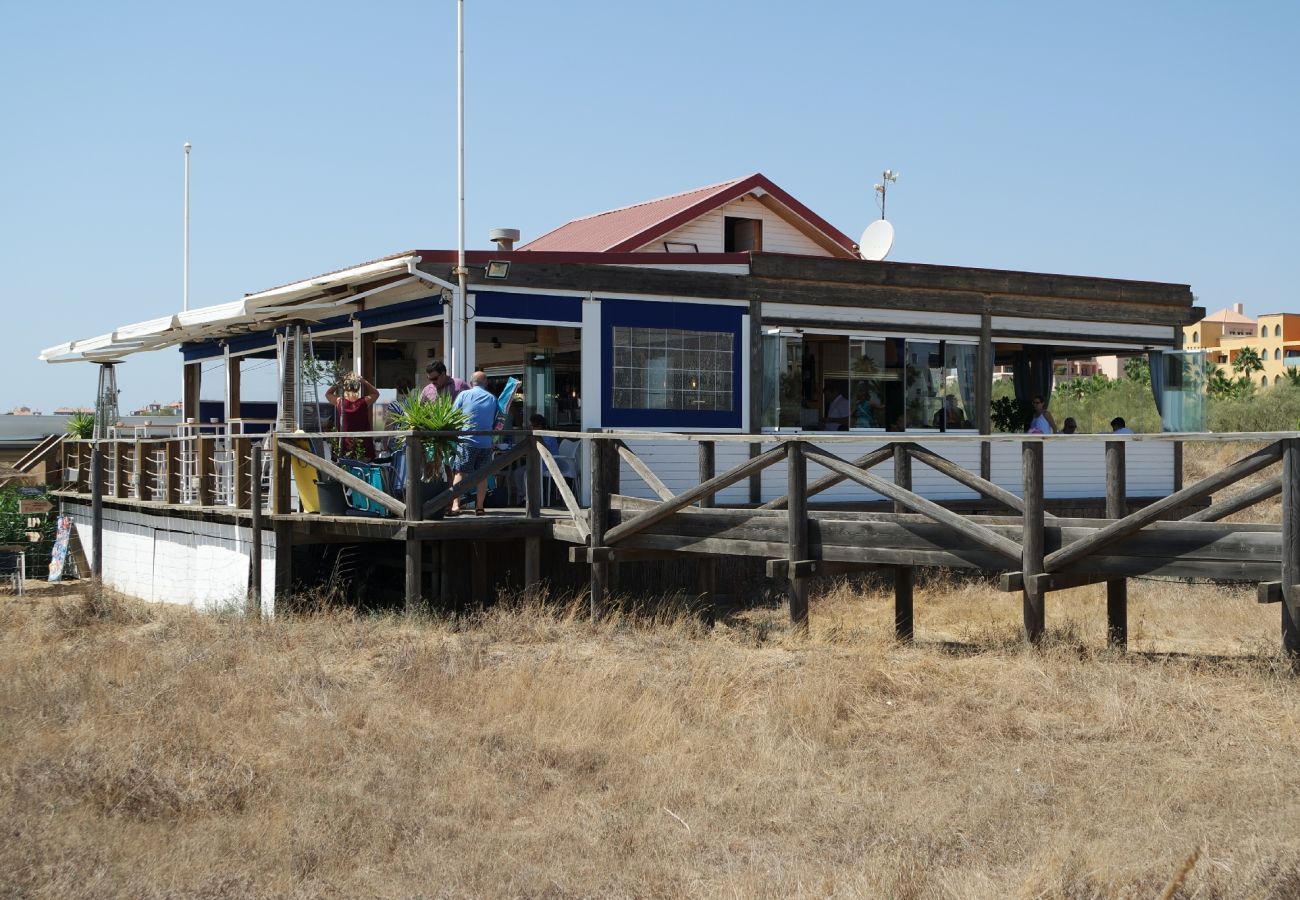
x,y
1239,308
504,238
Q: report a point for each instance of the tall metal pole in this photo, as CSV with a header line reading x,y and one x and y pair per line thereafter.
x,y
185,294
459,330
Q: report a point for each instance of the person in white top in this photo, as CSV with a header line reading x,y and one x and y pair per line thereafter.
x,y
1117,426
1042,422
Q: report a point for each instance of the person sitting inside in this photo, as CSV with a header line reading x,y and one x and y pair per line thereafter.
x,y
837,414
949,415
1042,421
1117,426
352,399
480,408
1069,426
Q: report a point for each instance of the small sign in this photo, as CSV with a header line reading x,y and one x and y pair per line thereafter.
x,y
34,537
31,491
34,507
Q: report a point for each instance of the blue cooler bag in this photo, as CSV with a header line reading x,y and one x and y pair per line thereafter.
x,y
378,475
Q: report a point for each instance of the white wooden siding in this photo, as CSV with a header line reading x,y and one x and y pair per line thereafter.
x,y
1072,469
707,232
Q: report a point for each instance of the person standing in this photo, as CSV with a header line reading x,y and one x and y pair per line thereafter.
x,y
480,409
1042,421
352,399
440,383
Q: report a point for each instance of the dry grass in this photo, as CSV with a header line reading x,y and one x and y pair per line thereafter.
x,y
152,752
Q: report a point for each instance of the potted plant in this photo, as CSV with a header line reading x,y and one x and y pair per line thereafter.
x,y
81,425
437,415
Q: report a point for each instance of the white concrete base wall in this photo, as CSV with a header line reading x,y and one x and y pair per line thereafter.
x,y
162,559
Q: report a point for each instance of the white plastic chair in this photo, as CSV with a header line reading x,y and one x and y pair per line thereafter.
x,y
566,459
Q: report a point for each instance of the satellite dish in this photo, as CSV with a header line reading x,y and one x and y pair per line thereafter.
x,y
876,240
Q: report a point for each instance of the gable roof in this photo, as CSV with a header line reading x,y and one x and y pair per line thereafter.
x,y
632,227
1229,316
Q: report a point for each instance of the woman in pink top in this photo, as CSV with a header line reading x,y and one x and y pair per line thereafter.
x,y
353,410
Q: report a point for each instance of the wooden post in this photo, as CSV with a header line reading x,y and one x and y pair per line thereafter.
x,y
141,473
797,528
445,592
708,566
232,387
240,465
1290,551
280,475
1032,540
755,393
1116,508
97,515
1178,466
904,576
191,378
204,447
120,474
533,510
599,511
174,448
414,546
254,608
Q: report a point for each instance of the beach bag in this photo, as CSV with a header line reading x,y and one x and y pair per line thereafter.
x,y
377,475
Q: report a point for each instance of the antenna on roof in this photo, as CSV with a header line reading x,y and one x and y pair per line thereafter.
x,y
879,237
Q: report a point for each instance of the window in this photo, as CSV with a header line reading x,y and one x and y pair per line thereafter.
x,y
1196,337
1263,381
1277,331
670,368
741,235
1277,352
1263,331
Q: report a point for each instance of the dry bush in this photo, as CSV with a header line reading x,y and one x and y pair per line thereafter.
x,y
521,752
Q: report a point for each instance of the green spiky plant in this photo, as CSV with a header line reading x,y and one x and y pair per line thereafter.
x,y
81,425
440,414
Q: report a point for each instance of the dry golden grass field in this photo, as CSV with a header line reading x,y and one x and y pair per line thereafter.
x,y
154,752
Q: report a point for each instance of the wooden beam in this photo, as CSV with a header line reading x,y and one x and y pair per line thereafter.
x,y
986,488
499,464
1247,498
904,576
1126,526
668,507
1032,540
864,462
393,505
601,459
1116,508
1268,592
1291,550
566,495
918,504
797,531
254,605
643,471
414,555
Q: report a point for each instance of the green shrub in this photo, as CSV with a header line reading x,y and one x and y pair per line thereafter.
x,y
1275,408
81,425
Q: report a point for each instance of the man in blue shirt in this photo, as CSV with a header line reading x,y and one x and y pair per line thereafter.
x,y
476,449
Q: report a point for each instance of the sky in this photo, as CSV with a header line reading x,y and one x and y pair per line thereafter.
x,y
1153,141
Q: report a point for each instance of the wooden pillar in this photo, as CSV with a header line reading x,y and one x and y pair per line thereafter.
x,y
254,607
708,566
280,474
232,388
191,380
904,576
141,471
446,593
755,394
533,510
283,560
797,529
479,584
1031,561
205,449
984,364
173,454
599,525
241,467
1116,508
1178,466
414,545
97,514
120,474
1291,551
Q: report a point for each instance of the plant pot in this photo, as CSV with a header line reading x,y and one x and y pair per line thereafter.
x,y
332,501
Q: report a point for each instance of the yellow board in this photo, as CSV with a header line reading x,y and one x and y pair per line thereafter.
x,y
304,476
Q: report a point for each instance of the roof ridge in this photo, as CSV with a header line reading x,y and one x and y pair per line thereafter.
x,y
708,187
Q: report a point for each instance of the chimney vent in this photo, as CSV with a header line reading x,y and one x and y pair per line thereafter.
x,y
1239,308
504,238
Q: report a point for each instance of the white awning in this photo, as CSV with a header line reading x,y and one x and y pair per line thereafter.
x,y
254,312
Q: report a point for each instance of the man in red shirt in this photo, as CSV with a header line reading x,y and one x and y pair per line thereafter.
x,y
440,382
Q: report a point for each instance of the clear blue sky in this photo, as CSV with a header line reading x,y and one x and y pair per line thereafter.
x,y
1151,141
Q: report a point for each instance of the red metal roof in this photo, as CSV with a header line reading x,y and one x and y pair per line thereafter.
x,y
630,227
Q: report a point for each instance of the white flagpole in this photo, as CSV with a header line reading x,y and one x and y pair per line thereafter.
x,y
185,293
459,351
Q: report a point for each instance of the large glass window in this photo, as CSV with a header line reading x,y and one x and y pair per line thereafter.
x,y
670,368
820,382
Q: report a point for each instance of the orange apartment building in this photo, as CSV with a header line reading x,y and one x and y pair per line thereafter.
x,y
1223,335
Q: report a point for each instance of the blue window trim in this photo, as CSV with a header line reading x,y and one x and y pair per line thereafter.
x,y
531,307
688,317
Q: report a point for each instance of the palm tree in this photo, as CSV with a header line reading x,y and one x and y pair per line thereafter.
x,y
1248,361
1292,375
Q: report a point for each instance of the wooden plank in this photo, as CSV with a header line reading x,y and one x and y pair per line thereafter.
x,y
566,495
667,508
97,514
975,482
254,607
1031,542
1268,592
797,531
904,576
864,462
1244,500
120,474
205,447
1014,582
414,549
961,525
707,570
1116,508
241,469
599,580
643,471
392,504
1291,551
140,472
173,449
1137,520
